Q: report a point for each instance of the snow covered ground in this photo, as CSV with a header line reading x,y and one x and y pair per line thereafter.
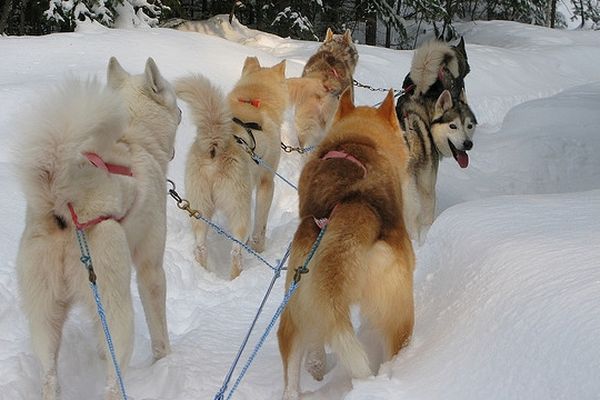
x,y
507,284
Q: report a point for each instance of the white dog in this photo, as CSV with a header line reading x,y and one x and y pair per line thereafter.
x,y
96,155
219,173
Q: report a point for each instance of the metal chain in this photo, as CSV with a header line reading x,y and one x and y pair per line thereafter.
x,y
301,150
364,86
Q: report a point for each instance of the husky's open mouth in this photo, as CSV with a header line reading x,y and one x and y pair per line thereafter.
x,y
461,156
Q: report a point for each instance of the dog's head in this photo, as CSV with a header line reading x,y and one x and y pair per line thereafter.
x,y
342,47
452,127
379,122
261,92
152,103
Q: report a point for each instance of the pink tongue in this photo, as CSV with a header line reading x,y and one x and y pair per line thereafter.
x,y
462,158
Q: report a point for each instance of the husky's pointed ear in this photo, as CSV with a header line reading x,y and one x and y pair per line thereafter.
x,y
328,35
250,65
347,36
154,79
115,74
443,103
463,96
280,69
346,105
388,111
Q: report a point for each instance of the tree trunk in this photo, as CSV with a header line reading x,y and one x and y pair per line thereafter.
x,y
388,35
582,14
24,4
552,13
4,15
371,30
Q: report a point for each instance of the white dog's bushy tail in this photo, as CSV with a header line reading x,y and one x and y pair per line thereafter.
x,y
210,111
78,117
427,61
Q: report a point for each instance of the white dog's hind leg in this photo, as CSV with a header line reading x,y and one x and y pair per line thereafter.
x,y
152,286
200,231
39,266
264,197
112,264
238,217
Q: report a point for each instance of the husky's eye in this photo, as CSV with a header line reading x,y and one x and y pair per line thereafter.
x,y
470,126
452,126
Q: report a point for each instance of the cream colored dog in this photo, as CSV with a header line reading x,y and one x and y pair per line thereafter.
x,y
100,154
220,174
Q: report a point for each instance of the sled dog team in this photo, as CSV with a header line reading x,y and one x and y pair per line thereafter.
x,y
95,158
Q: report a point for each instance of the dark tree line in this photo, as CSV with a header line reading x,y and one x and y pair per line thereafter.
x,y
390,23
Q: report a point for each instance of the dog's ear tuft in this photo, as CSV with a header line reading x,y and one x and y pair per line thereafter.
x,y
346,106
115,74
280,69
328,35
251,64
388,111
443,103
347,36
461,46
154,79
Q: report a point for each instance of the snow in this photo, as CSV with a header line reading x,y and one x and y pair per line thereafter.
x,y
507,283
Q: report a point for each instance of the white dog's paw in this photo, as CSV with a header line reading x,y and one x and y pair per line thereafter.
x,y
50,388
201,255
291,395
258,243
160,350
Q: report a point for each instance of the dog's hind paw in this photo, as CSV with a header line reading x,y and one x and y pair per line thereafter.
x,y
315,363
258,244
291,395
50,388
160,350
201,255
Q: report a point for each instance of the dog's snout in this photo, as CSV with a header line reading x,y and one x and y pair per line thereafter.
x,y
467,144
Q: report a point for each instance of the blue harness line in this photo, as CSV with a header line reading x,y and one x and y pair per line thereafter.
x,y
286,298
86,260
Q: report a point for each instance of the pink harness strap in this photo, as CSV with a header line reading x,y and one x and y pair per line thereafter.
x,y
84,225
98,162
345,156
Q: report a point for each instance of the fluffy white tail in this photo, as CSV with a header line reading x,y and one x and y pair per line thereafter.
x,y
78,117
427,61
351,353
210,111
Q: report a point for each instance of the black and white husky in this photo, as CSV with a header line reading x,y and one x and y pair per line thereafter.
x,y
437,122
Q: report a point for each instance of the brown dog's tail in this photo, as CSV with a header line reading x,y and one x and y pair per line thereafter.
x,y
339,269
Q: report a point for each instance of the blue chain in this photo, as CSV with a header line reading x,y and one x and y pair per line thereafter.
x,y
86,259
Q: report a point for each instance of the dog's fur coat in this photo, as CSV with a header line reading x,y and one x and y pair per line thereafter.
x,y
79,118
437,122
365,256
326,75
220,175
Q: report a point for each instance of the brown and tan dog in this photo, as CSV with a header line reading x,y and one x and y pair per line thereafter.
x,y
326,75
365,257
